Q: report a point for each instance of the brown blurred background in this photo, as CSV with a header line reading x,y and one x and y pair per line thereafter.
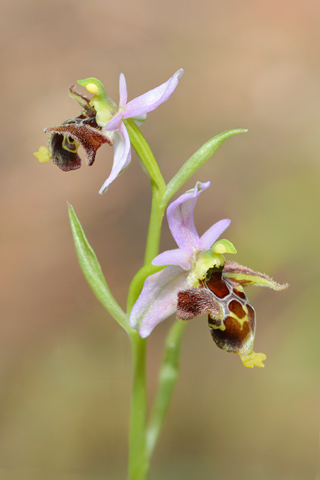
x,y
65,370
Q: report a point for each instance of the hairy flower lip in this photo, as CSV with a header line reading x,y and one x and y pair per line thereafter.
x,y
231,317
88,137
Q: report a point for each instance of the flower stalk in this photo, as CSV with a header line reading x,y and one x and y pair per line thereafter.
x,y
168,376
158,186
138,456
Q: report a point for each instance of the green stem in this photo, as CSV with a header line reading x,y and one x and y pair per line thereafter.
x,y
167,380
158,185
138,460
154,231
138,454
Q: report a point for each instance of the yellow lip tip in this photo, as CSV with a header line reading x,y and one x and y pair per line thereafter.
x,y
253,359
43,154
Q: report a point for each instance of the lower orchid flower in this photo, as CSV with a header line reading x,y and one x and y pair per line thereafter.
x,y
102,121
197,279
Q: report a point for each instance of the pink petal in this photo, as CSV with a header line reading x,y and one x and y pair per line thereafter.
x,y
213,233
151,100
122,91
115,122
157,300
180,217
179,256
121,156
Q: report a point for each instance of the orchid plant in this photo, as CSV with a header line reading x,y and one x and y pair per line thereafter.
x,y
191,280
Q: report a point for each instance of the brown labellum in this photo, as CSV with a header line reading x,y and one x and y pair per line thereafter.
x,y
79,131
231,318
235,331
67,138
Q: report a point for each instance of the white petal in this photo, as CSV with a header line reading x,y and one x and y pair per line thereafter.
x,y
213,233
122,91
180,217
151,100
158,299
121,157
179,256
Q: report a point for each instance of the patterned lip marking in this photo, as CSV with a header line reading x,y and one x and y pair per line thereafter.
x,y
240,293
235,331
236,308
215,322
217,286
231,318
233,338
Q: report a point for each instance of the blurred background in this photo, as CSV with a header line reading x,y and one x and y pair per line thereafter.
x,y
65,372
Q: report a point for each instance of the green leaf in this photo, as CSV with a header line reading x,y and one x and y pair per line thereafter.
x,y
93,273
195,162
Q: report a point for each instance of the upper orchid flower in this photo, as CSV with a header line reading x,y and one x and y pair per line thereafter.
x,y
101,121
198,280
137,110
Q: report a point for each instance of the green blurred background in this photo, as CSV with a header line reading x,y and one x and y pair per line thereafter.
x,y
65,370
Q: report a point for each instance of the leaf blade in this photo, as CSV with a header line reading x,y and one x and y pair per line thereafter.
x,y
92,271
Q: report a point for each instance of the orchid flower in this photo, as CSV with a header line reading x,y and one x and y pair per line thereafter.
x,y
102,121
158,299
136,109
198,280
